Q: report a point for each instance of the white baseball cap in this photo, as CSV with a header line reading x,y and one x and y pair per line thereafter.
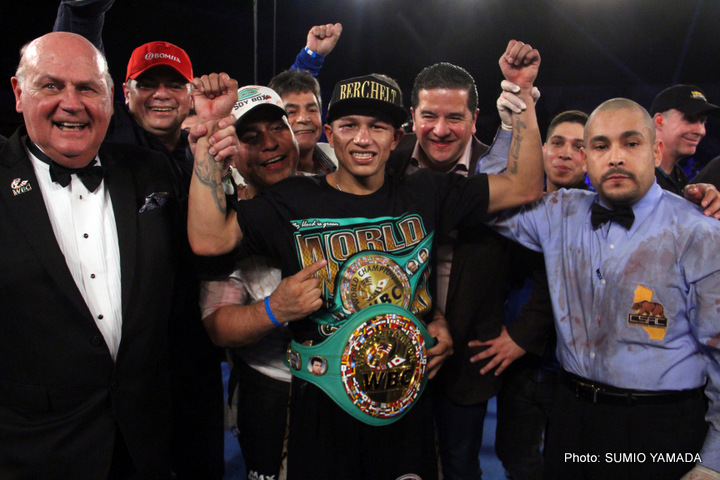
x,y
250,97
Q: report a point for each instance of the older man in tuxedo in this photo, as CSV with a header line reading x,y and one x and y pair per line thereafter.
x,y
86,279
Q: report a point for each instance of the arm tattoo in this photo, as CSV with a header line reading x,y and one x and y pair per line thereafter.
x,y
515,147
208,173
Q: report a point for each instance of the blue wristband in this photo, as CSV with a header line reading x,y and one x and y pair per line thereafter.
x,y
310,52
270,314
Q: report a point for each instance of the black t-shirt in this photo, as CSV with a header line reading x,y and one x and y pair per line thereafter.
x,y
284,220
303,219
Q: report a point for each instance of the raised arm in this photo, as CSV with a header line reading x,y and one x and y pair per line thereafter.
x,y
84,17
321,40
214,96
212,227
522,181
495,159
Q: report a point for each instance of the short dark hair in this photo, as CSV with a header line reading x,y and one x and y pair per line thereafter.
x,y
296,81
445,75
568,116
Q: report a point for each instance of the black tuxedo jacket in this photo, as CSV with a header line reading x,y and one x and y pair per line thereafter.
x,y
62,398
476,296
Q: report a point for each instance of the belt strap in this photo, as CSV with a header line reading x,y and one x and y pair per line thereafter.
x,y
373,366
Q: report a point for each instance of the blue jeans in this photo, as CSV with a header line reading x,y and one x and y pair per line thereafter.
x,y
459,431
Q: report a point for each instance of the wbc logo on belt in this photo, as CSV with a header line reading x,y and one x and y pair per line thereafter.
x,y
383,364
372,279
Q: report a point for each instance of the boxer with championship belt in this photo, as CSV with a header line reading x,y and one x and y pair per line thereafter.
x,y
347,218
374,364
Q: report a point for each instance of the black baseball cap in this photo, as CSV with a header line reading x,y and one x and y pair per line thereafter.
x,y
688,99
371,94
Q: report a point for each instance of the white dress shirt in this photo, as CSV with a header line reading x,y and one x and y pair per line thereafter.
x,y
84,226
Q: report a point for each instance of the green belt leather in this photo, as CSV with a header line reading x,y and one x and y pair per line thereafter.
x,y
373,366
373,277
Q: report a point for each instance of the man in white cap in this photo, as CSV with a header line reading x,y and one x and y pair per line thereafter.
x,y
232,306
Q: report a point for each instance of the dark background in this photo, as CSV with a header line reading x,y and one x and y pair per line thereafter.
x,y
591,50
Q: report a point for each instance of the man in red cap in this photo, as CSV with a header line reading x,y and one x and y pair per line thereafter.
x,y
158,90
159,94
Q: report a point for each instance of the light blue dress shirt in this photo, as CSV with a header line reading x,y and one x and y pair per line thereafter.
x,y
495,159
670,258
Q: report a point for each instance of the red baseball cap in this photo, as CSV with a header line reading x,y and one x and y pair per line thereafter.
x,y
159,53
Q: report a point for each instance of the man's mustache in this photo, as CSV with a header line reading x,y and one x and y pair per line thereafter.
x,y
616,171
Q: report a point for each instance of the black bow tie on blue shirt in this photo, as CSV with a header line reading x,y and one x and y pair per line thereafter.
x,y
90,175
623,215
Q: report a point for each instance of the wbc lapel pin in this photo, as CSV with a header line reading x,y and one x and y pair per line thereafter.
x,y
20,186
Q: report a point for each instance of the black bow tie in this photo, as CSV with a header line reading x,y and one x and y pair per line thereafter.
x,y
623,215
90,175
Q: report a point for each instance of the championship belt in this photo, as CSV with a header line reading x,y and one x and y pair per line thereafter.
x,y
373,362
374,277
373,366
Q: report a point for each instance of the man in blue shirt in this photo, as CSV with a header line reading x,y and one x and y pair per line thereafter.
x,y
635,284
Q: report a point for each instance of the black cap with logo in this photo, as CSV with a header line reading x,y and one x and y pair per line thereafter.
x,y
367,95
688,99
